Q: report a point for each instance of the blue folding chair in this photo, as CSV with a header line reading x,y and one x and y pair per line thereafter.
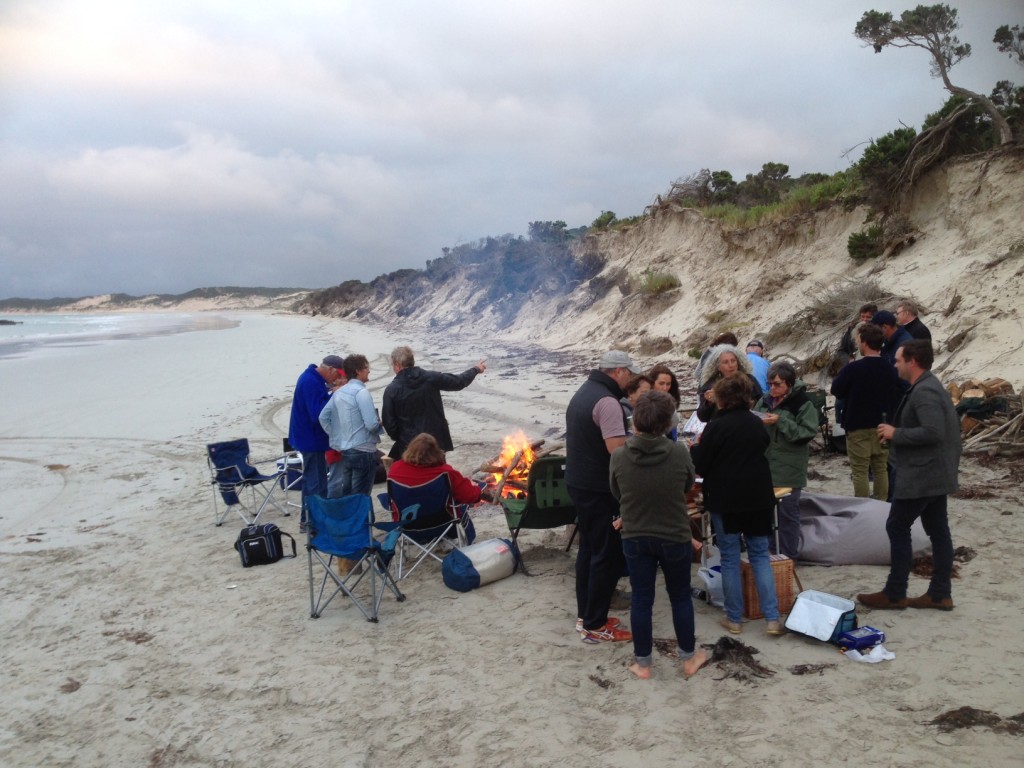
x,y
239,484
343,528
430,517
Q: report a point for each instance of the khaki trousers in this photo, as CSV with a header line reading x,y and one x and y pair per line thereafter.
x,y
864,452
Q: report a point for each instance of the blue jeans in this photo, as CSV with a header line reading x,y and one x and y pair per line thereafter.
x,y
732,583
644,555
314,478
600,561
902,514
353,474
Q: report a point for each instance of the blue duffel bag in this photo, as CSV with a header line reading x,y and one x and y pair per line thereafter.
x,y
478,564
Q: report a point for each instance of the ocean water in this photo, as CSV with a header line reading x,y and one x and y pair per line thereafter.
x,y
37,334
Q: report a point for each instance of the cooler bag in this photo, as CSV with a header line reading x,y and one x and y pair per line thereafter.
x,y
821,615
478,564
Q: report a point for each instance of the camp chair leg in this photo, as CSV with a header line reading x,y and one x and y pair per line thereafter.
x,y
572,538
518,554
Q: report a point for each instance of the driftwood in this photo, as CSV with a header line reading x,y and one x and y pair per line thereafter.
x,y
508,471
1001,434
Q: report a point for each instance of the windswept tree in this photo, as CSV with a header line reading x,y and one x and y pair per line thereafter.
x,y
932,28
1010,40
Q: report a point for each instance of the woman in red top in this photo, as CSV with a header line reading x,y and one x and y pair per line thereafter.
x,y
424,460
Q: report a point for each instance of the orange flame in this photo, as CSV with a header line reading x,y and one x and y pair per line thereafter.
x,y
511,445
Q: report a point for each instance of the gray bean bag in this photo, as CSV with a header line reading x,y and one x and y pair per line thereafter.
x,y
846,530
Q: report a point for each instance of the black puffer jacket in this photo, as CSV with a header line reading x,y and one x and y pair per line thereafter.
x,y
412,404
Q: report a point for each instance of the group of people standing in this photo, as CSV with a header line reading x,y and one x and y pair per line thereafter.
x,y
903,432
628,471
333,415
628,474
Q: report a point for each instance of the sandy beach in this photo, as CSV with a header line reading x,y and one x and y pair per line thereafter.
x,y
132,636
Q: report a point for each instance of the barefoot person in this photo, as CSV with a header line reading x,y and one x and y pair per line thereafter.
x,y
650,476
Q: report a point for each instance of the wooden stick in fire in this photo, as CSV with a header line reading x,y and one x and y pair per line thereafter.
x,y
508,471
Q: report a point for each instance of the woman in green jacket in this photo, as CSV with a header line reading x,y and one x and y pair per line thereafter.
x,y
792,422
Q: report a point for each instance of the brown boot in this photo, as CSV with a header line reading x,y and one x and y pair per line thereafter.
x,y
927,601
881,601
345,565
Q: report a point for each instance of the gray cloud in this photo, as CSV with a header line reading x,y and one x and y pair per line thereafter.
x,y
184,144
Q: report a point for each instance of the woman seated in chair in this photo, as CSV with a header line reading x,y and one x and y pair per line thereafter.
x,y
422,461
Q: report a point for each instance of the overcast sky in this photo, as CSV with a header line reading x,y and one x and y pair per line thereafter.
x,y
164,145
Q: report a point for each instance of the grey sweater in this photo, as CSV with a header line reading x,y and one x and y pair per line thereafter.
x,y
650,476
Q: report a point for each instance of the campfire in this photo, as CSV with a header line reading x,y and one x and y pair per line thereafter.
x,y
507,473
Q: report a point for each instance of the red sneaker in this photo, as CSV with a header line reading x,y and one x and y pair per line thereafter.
x,y
612,622
606,634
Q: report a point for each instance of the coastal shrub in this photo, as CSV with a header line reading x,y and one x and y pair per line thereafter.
x,y
605,220
694,352
589,264
653,283
866,244
716,316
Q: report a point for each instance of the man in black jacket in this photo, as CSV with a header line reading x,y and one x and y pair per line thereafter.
x,y
906,314
412,401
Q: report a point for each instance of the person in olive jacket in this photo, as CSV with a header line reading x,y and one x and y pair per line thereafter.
x,y
792,422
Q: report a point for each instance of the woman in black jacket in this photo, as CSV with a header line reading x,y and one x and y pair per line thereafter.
x,y
738,492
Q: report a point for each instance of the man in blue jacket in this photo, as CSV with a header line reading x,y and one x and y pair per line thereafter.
x,y
895,334
925,449
312,392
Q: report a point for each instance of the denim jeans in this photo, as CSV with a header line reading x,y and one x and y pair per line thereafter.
x,y
353,474
732,582
600,562
314,478
644,555
902,514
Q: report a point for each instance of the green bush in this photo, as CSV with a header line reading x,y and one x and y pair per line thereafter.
x,y
866,244
653,283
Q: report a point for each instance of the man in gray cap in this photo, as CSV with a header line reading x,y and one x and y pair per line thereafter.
x,y
312,392
594,427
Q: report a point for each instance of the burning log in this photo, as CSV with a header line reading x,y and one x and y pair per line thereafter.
x,y
508,472
511,467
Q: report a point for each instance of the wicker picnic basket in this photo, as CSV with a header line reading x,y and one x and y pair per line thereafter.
x,y
782,569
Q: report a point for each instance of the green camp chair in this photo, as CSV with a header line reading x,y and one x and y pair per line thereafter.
x,y
547,503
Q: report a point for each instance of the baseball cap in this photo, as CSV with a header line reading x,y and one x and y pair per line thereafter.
x,y
756,343
616,358
333,361
884,317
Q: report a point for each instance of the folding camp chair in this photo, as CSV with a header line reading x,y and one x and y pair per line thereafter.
x,y
547,503
239,484
820,403
343,528
290,467
430,517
